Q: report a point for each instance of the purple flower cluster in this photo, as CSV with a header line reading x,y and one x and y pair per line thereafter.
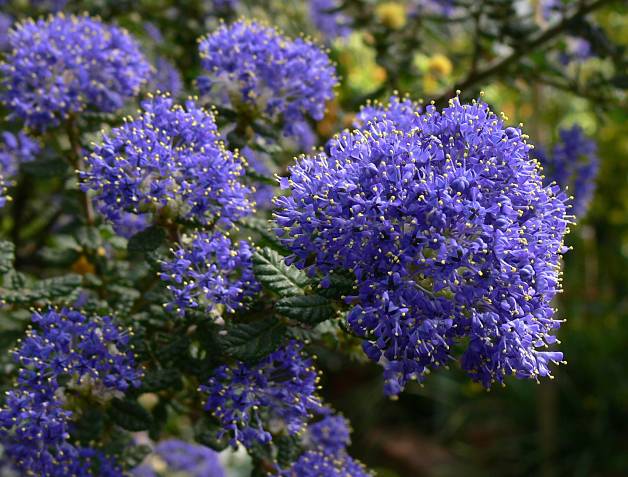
x,y
181,458
279,391
444,221
14,149
402,112
68,350
574,165
65,65
207,271
168,161
328,20
253,65
316,463
331,433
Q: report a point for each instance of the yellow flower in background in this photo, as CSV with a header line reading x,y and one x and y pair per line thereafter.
x,y
439,65
363,74
392,14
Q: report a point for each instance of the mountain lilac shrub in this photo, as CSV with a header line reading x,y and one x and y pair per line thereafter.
x,y
66,65
181,458
450,234
209,270
14,150
280,390
66,350
169,161
252,65
315,463
574,165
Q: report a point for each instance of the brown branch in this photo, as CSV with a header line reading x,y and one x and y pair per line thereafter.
x,y
76,158
523,49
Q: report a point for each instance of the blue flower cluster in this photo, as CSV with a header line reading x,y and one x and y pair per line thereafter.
x,y
574,165
316,463
401,111
328,19
175,457
65,65
14,149
250,64
209,270
444,221
280,391
168,161
331,433
68,350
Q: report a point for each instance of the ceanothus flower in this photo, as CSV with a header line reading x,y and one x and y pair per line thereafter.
x,y
404,113
250,400
574,165
328,20
180,458
450,233
68,64
208,270
66,350
316,463
331,434
14,149
167,161
250,65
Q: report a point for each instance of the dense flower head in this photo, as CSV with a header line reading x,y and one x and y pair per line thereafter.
x,y
175,457
450,234
277,393
316,463
168,160
574,165
327,18
331,433
403,112
251,64
209,270
68,64
66,350
14,149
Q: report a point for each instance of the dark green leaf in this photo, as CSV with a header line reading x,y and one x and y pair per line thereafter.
x,y
130,415
48,290
147,240
340,285
251,341
262,228
309,309
206,433
271,270
45,168
160,379
7,255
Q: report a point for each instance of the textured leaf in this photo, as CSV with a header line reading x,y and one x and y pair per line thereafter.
x,y
271,270
206,433
160,379
340,285
7,255
48,290
310,309
130,415
263,229
252,341
147,240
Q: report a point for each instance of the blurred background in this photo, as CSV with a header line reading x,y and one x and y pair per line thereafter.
x,y
574,425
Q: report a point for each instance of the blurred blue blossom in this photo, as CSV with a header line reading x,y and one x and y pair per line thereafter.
x,y
173,456
66,65
14,150
328,19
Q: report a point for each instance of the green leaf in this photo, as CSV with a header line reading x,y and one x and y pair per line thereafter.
x,y
288,449
147,240
7,255
160,379
270,269
130,415
309,309
340,285
252,341
43,291
206,433
262,228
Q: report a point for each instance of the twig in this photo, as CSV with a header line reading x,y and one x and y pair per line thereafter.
x,y
76,158
523,49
